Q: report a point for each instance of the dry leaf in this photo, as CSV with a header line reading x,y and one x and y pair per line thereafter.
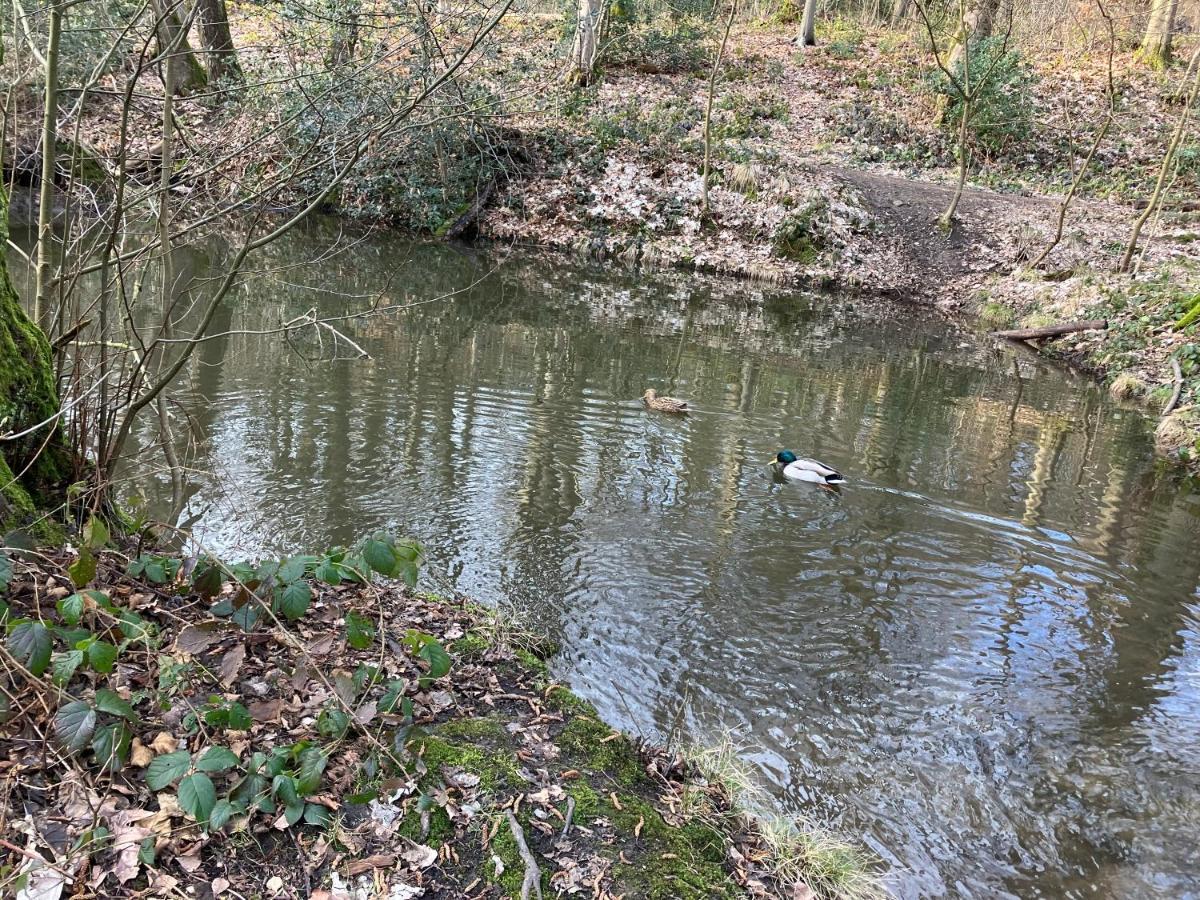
x,y
196,639
231,663
380,861
163,743
266,711
139,754
219,885
420,856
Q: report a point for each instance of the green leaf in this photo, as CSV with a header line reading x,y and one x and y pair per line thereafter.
x,y
111,745
437,657
74,724
246,616
217,759
407,572
308,773
112,703
6,571
165,770
393,693
221,813
252,791
239,718
95,533
155,571
294,600
70,609
146,851
292,812
284,787
136,568
328,572
83,569
207,582
291,570
30,643
197,796
380,557
65,665
102,656
135,627
360,631
316,814
332,723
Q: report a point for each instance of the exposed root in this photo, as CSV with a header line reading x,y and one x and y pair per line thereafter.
x,y
533,873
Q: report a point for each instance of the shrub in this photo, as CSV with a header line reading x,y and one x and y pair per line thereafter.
x,y
1000,80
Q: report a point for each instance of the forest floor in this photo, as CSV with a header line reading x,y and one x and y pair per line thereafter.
x,y
370,742
830,168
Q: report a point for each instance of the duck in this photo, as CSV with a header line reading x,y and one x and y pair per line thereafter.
x,y
663,404
794,468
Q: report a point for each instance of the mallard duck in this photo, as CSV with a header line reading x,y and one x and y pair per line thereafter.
x,y
663,404
796,469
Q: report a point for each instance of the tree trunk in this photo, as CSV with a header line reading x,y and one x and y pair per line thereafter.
x,y
186,71
1156,45
808,26
587,40
345,34
975,25
899,12
45,233
218,42
34,467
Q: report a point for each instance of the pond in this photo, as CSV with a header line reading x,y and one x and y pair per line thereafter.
x,y
982,658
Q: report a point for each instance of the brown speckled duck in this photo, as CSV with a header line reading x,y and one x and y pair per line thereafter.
x,y
663,404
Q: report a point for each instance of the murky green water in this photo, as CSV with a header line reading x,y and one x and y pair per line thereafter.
x,y
983,658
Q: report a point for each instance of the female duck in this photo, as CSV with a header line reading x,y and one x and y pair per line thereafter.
x,y
663,404
796,469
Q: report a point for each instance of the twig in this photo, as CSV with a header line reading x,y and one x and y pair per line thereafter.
x,y
570,814
533,874
1178,373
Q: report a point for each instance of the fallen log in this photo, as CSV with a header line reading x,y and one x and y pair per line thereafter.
x,y
1051,331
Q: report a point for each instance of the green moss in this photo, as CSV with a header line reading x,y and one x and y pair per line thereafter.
x,y
441,829
494,768
586,744
588,804
470,644
532,662
666,862
995,315
28,395
563,699
504,845
487,732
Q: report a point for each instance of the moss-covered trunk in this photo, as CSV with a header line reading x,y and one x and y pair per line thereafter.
x,y
32,468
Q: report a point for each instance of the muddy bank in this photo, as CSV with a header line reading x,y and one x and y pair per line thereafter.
x,y
292,729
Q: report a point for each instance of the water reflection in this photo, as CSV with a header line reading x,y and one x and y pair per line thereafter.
x,y
982,656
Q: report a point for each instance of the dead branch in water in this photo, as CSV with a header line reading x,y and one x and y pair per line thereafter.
x,y
1051,331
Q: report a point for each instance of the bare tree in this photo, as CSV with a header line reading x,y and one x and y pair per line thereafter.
x,y
173,23
585,51
900,12
1156,44
1164,171
223,62
976,20
712,88
808,25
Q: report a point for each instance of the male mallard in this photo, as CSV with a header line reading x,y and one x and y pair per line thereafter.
x,y
663,404
809,470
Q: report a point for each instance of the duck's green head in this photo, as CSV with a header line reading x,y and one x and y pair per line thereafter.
x,y
785,457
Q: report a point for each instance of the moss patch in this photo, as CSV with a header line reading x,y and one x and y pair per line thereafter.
x,y
667,862
591,745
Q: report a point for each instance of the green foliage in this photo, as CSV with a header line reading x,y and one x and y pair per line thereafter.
x,y
1000,82
800,236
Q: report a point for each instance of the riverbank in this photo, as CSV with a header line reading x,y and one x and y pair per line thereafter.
x,y
829,167
834,170
296,729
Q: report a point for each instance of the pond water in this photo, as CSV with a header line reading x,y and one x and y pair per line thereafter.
x,y
982,658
